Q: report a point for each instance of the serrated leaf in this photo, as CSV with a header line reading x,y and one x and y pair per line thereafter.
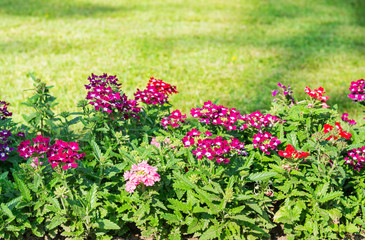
x,y
107,224
210,233
243,218
330,196
262,176
92,197
56,221
25,192
6,210
170,217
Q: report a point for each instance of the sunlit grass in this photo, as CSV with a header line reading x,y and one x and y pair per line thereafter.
x,y
231,51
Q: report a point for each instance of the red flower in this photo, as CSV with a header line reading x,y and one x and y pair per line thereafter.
x,y
291,152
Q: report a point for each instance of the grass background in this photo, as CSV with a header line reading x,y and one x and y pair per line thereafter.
x,y
231,50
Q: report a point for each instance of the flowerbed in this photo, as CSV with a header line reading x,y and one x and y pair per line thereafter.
x,y
122,165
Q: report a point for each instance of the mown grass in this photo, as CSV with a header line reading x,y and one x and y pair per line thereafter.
x,y
232,51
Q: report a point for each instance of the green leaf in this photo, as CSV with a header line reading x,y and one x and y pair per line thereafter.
x,y
23,188
243,218
56,221
322,189
6,210
262,176
170,217
107,224
210,233
92,197
330,196
96,149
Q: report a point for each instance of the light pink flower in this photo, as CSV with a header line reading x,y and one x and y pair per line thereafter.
x,y
141,173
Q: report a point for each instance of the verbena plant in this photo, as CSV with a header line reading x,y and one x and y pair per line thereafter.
x,y
124,165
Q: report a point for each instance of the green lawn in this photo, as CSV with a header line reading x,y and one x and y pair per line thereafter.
x,y
234,51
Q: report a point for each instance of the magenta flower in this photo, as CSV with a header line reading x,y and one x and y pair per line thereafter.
x,y
140,174
217,115
357,91
265,142
346,119
61,153
174,120
356,158
156,92
217,149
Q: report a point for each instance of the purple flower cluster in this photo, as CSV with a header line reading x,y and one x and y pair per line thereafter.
x,y
265,141
217,149
287,93
104,94
61,153
174,120
156,92
4,148
217,115
345,118
4,113
259,120
357,91
357,158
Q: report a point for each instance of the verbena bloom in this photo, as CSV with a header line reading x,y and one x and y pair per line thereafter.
x,y
346,119
259,121
104,93
140,174
156,92
35,162
338,131
287,93
4,113
265,141
61,153
218,149
4,147
357,89
64,154
175,119
318,94
217,115
356,158
290,152
38,148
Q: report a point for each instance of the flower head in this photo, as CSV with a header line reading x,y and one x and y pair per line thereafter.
x,y
142,173
105,95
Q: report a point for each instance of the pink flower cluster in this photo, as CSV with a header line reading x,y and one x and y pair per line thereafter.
x,y
104,94
217,149
357,91
61,153
357,158
174,120
141,173
165,142
4,148
265,142
318,94
345,118
156,92
4,113
217,115
259,120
